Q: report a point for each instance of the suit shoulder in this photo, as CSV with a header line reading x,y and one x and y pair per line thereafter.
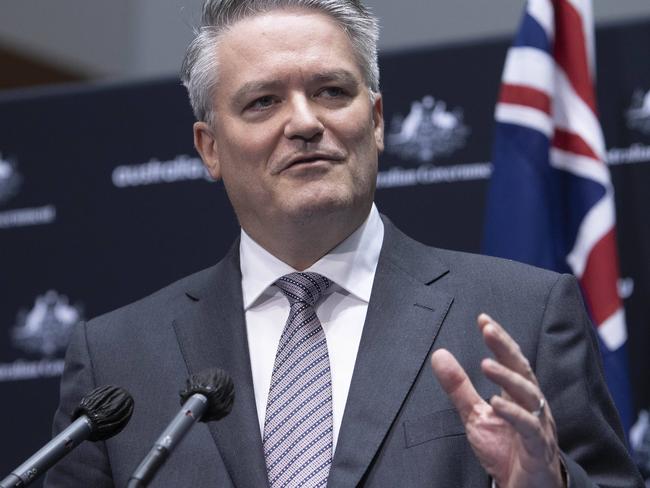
x,y
503,281
496,267
424,262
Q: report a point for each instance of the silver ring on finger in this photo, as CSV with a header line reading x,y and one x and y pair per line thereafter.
x,y
540,408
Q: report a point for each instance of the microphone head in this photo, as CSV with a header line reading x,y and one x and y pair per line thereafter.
x,y
108,408
217,386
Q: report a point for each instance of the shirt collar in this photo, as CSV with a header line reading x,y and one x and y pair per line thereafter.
x,y
351,264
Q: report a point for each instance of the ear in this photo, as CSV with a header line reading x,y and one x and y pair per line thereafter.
x,y
378,119
206,145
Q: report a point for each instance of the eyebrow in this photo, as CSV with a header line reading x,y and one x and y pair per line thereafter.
x,y
335,76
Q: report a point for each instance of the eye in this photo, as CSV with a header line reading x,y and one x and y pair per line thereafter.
x,y
332,92
261,103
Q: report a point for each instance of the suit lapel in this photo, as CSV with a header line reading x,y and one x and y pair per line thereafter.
x,y
404,316
212,332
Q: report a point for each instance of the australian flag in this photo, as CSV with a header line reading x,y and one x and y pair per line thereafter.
x,y
550,201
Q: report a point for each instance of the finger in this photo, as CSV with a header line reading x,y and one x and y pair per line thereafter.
x,y
518,388
525,423
455,382
537,439
505,348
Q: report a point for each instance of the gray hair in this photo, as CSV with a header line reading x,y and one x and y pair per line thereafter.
x,y
199,68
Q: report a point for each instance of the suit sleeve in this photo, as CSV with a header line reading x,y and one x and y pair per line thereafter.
x,y
569,370
87,465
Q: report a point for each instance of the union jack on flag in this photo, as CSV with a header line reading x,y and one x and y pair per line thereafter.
x,y
551,201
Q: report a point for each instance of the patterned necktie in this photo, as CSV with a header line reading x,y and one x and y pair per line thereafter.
x,y
298,423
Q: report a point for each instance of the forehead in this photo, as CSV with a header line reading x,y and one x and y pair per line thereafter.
x,y
284,43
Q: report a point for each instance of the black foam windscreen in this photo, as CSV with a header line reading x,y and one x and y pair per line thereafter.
x,y
108,408
217,386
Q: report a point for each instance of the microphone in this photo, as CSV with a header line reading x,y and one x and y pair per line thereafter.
x,y
208,396
101,414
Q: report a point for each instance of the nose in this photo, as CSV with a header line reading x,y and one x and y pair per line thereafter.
x,y
303,122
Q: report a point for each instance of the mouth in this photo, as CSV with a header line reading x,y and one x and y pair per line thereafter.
x,y
311,159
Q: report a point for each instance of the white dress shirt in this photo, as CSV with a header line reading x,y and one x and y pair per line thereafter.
x,y
342,311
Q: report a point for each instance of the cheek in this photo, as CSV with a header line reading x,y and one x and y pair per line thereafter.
x,y
353,133
244,153
356,123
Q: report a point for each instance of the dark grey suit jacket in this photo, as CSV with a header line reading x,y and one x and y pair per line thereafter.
x,y
399,429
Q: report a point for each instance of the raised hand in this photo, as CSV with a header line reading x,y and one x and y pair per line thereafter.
x,y
514,434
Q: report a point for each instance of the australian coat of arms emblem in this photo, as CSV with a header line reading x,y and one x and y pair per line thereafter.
x,y
428,130
45,329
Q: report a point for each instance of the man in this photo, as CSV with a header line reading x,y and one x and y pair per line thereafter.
x,y
290,117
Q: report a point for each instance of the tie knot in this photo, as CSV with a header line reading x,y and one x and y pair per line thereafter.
x,y
303,287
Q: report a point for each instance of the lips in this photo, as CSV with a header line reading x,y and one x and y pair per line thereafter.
x,y
310,158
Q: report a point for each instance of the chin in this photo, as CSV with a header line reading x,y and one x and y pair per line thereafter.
x,y
319,206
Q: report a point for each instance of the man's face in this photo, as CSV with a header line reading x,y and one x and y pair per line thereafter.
x,y
296,134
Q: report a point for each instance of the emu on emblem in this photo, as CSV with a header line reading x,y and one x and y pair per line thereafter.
x,y
638,115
